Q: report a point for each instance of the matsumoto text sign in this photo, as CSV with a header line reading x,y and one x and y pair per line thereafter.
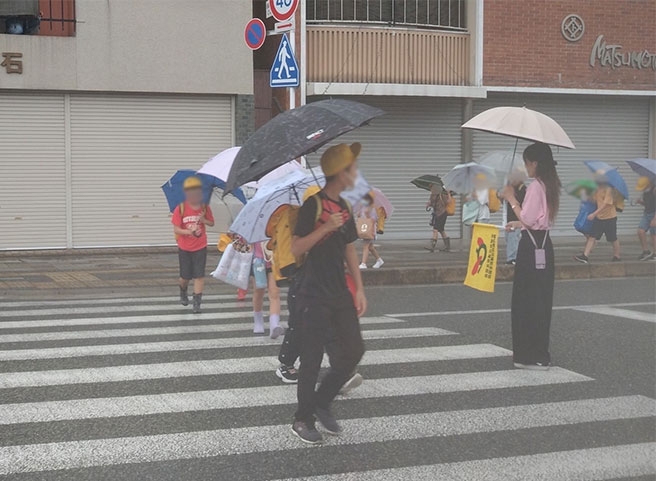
x,y
614,56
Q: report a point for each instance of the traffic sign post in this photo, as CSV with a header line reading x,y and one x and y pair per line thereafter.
x,y
255,33
283,10
284,71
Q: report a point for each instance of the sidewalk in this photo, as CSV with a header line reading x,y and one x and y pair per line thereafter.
x,y
46,274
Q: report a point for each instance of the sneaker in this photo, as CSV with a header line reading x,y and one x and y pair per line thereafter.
x,y
241,294
197,300
645,256
379,263
328,421
276,332
288,375
511,263
184,297
307,433
582,258
363,266
616,259
355,381
538,366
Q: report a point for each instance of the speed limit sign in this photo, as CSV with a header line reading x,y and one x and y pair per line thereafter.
x,y
283,10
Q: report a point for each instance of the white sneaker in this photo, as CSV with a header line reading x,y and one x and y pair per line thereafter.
x,y
363,266
379,263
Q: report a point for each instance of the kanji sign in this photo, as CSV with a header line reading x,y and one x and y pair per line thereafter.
x,y
283,10
12,62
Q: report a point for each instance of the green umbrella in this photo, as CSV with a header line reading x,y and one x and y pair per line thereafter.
x,y
578,187
427,182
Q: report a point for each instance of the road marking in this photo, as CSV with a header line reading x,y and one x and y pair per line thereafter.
x,y
58,311
623,313
233,366
194,344
506,310
49,411
151,331
114,300
593,464
204,444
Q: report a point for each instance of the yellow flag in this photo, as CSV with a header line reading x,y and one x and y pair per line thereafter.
x,y
482,269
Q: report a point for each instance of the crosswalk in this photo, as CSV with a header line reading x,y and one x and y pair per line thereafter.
x,y
142,389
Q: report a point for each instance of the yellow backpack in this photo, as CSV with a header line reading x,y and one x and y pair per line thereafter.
x,y
493,202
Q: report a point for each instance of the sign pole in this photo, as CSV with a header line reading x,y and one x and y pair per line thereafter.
x,y
303,53
292,91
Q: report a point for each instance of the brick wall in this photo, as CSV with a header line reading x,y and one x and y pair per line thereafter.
x,y
524,46
244,118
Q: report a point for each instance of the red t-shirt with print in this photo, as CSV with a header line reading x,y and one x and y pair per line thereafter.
x,y
189,220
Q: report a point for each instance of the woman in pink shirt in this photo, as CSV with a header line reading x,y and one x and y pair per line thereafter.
x,y
533,285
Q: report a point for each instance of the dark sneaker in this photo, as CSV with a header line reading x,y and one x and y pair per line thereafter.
x,y
537,366
197,300
288,375
307,433
351,384
511,263
328,421
582,258
184,297
616,259
645,256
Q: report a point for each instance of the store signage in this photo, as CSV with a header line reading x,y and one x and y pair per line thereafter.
x,y
12,62
614,56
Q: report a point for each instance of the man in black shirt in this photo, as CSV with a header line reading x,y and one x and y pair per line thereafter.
x,y
325,233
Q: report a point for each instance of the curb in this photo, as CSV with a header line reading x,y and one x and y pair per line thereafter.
x,y
456,275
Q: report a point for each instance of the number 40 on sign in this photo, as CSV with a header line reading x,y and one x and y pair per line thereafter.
x,y
283,10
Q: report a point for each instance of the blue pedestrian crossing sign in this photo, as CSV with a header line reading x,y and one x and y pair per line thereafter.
x,y
284,72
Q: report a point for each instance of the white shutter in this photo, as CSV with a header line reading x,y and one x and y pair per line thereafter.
x,y
416,136
608,128
124,147
32,171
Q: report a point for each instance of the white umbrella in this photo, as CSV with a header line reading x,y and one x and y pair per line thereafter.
x,y
502,162
521,123
225,211
462,178
253,218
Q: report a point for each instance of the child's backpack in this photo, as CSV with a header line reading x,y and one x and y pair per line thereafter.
x,y
380,221
493,202
582,224
451,206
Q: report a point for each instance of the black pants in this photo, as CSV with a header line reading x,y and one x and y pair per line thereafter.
x,y
291,344
532,302
332,326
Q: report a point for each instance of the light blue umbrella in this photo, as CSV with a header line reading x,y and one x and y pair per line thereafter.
x,y
253,218
644,167
607,173
461,179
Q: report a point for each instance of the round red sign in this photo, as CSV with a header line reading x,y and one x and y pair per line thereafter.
x,y
255,33
283,10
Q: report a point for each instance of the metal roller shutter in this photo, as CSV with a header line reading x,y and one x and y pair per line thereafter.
x,y
124,147
607,128
32,171
416,136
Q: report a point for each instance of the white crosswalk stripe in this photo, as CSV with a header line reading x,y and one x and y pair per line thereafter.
x,y
55,348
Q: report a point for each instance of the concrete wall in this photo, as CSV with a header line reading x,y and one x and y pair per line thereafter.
x,y
186,46
524,45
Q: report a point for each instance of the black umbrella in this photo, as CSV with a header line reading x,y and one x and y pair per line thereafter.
x,y
295,133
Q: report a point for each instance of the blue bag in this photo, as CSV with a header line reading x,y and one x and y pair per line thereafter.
x,y
582,224
260,273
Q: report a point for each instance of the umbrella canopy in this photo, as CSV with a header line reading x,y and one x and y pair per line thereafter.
x,y
253,218
462,178
503,162
174,192
426,182
521,123
644,167
608,174
581,189
295,133
381,200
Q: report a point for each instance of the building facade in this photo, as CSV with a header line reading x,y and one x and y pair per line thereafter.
x,y
102,103
432,65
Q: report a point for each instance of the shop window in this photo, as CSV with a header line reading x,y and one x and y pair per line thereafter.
x,y
37,17
446,14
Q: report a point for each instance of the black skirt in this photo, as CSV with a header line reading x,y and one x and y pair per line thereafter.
x,y
532,301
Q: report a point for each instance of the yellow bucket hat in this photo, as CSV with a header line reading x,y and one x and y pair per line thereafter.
x,y
192,182
643,184
339,157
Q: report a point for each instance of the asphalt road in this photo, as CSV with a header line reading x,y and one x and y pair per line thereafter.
x,y
139,389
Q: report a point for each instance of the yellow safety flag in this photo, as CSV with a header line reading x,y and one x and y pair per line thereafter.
x,y
482,269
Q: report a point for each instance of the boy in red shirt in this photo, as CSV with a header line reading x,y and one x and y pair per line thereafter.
x,y
189,221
